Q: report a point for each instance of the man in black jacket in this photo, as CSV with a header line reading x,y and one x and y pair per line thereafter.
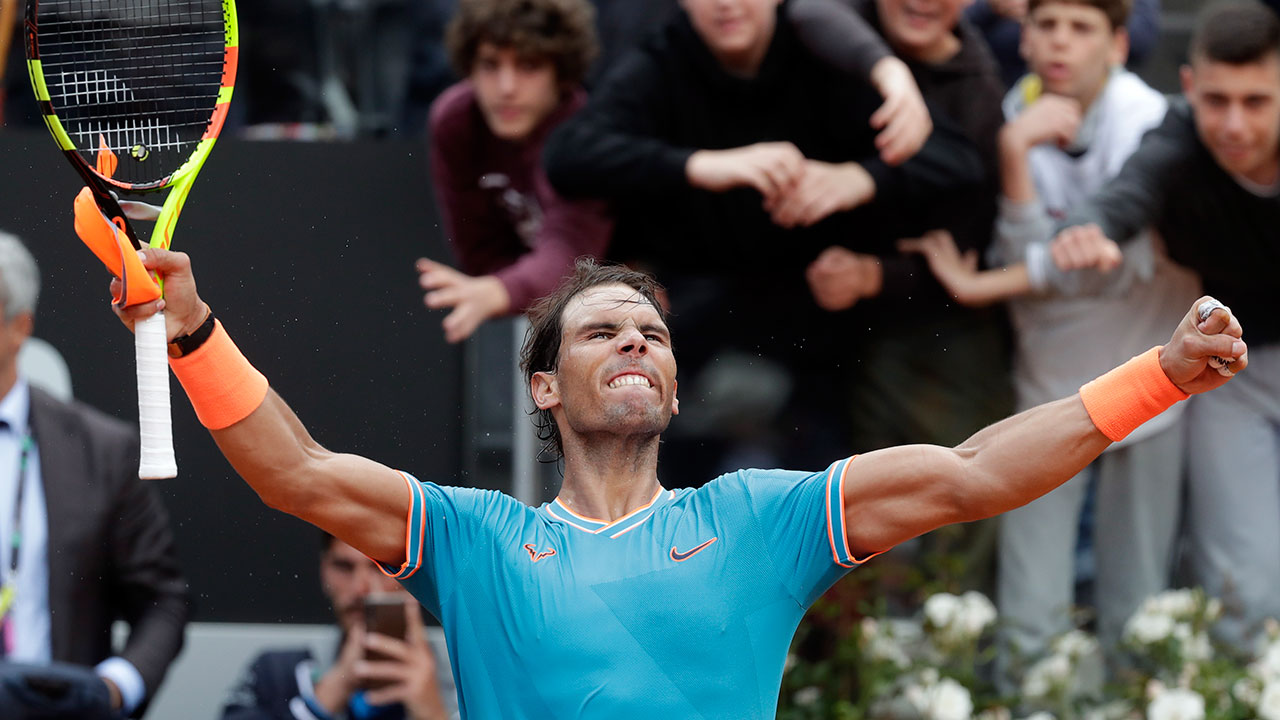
x,y
1208,181
90,545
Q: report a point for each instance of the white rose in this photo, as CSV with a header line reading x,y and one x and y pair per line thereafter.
x,y
929,676
1048,674
1267,668
977,613
806,696
1177,704
1076,644
1042,715
1269,702
1213,609
870,627
790,662
949,700
998,712
941,610
885,649
1148,627
1247,691
1197,648
1176,603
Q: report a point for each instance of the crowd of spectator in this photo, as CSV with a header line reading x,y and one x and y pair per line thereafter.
x,y
846,275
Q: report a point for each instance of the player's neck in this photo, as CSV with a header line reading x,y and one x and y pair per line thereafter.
x,y
612,479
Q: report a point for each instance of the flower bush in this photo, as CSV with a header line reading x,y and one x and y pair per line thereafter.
x,y
937,666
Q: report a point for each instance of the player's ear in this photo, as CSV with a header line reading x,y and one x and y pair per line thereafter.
x,y
675,401
545,390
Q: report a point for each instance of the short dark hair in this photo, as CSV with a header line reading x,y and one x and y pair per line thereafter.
x,y
541,350
1236,33
562,31
1117,11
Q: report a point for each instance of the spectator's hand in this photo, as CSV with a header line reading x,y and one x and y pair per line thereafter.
x,y
839,278
1015,10
773,168
410,674
184,310
54,692
473,299
903,120
825,188
1084,246
1186,358
955,271
1050,119
335,688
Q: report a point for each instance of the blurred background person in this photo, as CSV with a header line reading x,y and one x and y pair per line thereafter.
x,y
86,543
514,235
292,685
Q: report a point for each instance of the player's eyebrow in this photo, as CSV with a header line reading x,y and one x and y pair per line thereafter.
x,y
646,328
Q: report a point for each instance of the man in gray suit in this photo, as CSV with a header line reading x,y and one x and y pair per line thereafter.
x,y
83,542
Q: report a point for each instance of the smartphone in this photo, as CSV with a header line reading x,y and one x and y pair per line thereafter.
x,y
384,614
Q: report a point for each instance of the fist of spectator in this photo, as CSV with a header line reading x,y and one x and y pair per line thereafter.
x,y
1012,9
839,278
903,120
955,270
473,299
823,189
1050,119
772,168
1084,246
1186,358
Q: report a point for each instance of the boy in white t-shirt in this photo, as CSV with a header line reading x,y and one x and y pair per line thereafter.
x,y
1071,125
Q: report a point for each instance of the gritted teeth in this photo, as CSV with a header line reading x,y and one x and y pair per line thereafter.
x,y
630,379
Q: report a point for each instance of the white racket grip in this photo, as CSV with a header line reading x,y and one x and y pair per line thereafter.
x,y
156,427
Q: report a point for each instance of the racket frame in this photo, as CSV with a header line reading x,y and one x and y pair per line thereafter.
x,y
157,459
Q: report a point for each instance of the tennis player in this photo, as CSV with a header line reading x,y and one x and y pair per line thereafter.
x,y
622,598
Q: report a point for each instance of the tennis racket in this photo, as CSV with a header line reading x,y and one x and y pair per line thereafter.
x,y
135,93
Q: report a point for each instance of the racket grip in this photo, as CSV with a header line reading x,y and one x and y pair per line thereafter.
x,y
156,427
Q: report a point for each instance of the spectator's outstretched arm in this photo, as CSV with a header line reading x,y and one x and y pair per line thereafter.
x,y
1134,199
611,147
895,494
357,500
835,32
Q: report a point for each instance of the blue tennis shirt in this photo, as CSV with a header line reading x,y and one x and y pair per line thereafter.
x,y
685,608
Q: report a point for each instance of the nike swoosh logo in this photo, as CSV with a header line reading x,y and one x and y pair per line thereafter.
x,y
682,556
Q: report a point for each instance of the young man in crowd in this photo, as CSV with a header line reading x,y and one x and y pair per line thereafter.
x,y
1208,180
514,235
289,685
1073,122
732,155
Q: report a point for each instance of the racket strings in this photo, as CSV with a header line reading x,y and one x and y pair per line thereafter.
x,y
141,76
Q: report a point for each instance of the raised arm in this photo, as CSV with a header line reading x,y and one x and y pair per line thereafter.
x,y
895,494
362,502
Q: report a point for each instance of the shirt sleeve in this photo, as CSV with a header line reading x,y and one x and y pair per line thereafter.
x,y
801,516
441,533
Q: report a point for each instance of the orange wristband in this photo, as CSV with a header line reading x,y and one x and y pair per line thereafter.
x,y
223,387
1124,398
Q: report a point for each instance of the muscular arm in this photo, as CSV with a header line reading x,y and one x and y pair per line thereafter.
x,y
357,500
895,494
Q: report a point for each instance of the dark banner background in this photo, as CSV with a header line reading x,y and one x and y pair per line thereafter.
x,y
305,251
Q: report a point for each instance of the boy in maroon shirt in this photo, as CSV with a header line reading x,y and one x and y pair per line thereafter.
x,y
514,236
